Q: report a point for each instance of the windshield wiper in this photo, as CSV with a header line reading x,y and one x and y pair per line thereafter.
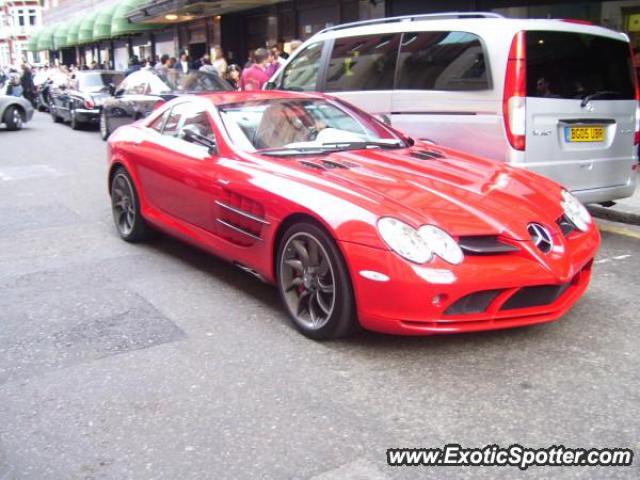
x,y
327,148
600,93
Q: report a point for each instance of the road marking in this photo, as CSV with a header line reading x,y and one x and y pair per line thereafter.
x,y
617,257
620,231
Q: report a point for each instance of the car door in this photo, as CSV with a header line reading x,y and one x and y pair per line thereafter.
x,y
177,176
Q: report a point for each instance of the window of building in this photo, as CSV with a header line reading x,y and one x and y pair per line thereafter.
x,y
442,61
366,62
302,73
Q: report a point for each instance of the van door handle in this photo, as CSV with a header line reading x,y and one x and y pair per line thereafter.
x,y
586,165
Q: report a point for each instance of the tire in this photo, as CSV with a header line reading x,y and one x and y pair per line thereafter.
x,y
321,288
126,213
105,132
12,118
73,120
54,116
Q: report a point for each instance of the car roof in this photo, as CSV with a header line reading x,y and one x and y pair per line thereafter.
x,y
223,98
495,25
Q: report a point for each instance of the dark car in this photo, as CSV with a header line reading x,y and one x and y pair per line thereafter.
x,y
79,100
144,90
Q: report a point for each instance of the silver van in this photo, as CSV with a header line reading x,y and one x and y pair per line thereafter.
x,y
557,97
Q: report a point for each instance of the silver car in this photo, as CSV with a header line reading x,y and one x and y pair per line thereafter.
x,y
556,97
14,111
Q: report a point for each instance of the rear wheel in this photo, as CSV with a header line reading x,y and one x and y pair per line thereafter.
x,y
75,124
54,115
314,283
12,118
126,209
105,132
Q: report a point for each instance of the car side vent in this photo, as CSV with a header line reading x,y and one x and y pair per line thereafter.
x,y
334,164
566,227
485,245
426,154
317,166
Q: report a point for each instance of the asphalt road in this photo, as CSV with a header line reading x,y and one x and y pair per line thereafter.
x,y
159,361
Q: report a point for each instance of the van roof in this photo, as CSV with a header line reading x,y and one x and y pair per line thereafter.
x,y
474,22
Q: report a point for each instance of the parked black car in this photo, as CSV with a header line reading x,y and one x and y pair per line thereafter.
x,y
144,90
79,100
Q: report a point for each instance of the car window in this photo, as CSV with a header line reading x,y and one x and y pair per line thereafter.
x,y
172,123
573,65
196,117
158,123
442,61
302,73
366,62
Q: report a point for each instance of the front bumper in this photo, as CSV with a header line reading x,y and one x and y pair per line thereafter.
x,y
485,292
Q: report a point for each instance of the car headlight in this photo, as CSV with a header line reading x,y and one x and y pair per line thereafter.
x,y
441,244
575,211
420,245
404,240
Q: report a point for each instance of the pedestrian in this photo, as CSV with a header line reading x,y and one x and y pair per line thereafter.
x,y
294,45
207,66
183,64
163,64
26,82
134,66
232,75
254,77
275,60
219,61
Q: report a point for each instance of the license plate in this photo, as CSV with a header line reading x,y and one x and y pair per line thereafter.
x,y
584,134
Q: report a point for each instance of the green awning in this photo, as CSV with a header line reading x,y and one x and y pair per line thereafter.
x,y
102,25
45,39
72,33
85,33
120,24
32,43
60,36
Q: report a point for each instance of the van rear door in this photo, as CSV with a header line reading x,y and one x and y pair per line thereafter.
x,y
580,109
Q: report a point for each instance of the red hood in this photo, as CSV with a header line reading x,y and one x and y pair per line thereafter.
x,y
463,194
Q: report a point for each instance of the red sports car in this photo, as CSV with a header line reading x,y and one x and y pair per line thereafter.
x,y
355,223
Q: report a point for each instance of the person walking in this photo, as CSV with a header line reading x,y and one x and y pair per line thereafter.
x,y
183,64
255,76
232,75
219,62
26,82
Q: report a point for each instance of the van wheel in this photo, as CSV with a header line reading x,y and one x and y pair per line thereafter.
x,y
12,118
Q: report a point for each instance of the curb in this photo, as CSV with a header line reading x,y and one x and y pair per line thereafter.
x,y
614,215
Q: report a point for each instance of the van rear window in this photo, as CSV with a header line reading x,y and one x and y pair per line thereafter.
x,y
574,65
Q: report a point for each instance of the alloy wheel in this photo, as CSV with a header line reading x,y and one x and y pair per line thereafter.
x,y
123,204
17,119
308,281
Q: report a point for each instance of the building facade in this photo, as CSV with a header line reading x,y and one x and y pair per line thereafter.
x,y
18,20
118,30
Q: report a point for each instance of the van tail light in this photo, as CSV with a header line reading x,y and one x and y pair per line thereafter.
x,y
634,75
88,103
514,102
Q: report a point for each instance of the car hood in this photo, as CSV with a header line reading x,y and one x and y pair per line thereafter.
x,y
460,193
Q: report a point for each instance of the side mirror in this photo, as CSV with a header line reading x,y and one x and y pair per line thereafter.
x,y
111,88
118,92
194,134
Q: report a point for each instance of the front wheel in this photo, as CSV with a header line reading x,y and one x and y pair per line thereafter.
x,y
54,115
126,209
314,283
75,124
12,118
105,132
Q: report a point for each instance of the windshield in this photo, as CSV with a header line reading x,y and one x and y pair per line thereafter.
x,y
194,81
292,125
98,81
575,65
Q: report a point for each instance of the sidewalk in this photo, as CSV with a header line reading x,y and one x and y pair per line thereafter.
x,y
626,210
